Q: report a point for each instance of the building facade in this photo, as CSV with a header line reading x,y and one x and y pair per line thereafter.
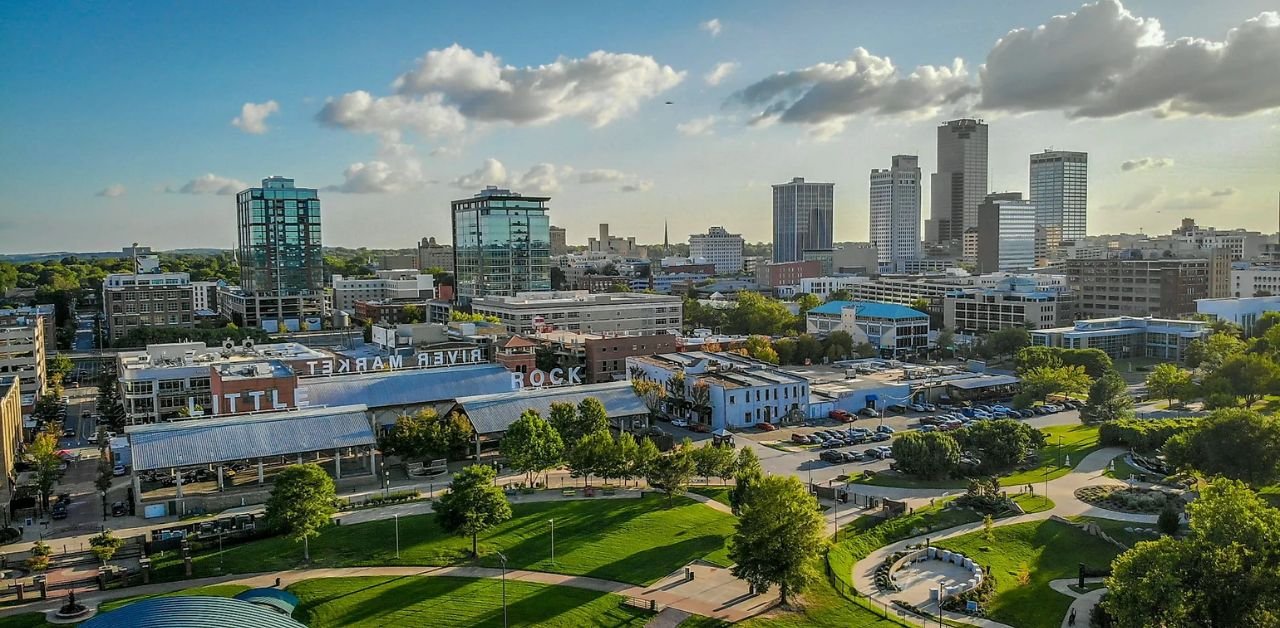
x,y
603,358
1006,233
895,211
43,314
559,243
22,356
154,300
787,273
960,183
615,245
895,330
719,247
281,264
10,434
1060,192
1017,303
725,390
580,311
1255,281
802,218
502,244
433,255
1122,287
387,285
204,295
1126,337
1243,311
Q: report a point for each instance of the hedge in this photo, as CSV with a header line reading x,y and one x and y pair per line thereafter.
x,y
1143,434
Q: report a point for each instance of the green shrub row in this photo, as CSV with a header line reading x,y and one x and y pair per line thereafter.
x,y
1143,434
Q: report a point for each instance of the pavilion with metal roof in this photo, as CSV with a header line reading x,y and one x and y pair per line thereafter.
x,y
192,611
392,393
491,415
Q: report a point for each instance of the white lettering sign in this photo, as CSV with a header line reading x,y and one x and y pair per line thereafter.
x,y
542,379
425,359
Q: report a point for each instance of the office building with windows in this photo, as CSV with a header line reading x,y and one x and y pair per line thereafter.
x,y
22,356
895,330
501,244
895,211
725,390
131,301
1006,233
1138,287
1060,192
433,255
582,311
1018,301
719,247
802,218
960,183
281,264
1126,337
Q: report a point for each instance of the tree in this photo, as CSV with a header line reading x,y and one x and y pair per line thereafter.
x,y
1095,362
1250,376
109,405
48,409
757,314
839,295
946,340
105,545
778,537
807,302
1042,381
929,456
467,317
671,472
1168,522
1264,324
747,474
531,446
43,452
1239,444
301,503
412,314
761,348
59,365
1208,355
591,455
646,455
425,434
713,460
472,504
1170,382
1108,399
1007,341
1225,572
626,456
592,416
1000,444
840,345
105,468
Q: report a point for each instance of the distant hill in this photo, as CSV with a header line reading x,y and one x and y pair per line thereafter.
x,y
20,258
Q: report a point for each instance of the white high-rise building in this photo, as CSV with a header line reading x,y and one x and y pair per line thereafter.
x,y
719,247
802,215
1059,190
895,211
960,184
1006,233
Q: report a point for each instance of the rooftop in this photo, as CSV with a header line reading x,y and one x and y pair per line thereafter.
x,y
870,309
187,354
191,611
408,387
490,414
570,297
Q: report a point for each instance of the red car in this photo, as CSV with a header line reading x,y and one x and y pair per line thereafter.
x,y
766,427
840,415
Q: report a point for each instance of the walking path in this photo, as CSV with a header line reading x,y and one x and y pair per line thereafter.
x,y
1084,602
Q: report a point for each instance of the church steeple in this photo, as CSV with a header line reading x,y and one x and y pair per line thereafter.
x,y
666,239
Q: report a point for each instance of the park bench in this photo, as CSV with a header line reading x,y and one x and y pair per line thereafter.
x,y
569,492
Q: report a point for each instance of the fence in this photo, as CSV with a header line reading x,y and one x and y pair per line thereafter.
x,y
845,589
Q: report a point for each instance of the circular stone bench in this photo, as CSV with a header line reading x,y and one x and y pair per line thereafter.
x,y
955,558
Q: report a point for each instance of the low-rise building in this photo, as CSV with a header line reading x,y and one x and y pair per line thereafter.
x,y
725,390
132,301
1019,302
1258,280
822,287
1243,311
581,311
895,330
25,315
787,273
432,255
603,358
10,433
406,286
22,356
1126,337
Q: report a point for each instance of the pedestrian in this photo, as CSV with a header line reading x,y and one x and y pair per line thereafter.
x,y
1071,619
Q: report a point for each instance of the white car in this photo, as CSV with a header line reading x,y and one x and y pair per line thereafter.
x,y
679,423
918,407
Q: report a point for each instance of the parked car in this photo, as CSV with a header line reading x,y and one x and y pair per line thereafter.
x,y
931,420
882,452
60,510
119,509
928,428
118,470
832,456
832,444
869,412
69,433
896,407
928,407
881,437
916,407
1026,414
884,429
840,415
800,438
764,427
679,423
851,456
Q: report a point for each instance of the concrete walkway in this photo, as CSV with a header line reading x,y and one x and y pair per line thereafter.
x,y
1084,602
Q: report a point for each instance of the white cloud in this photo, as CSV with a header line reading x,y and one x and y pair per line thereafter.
x,y
209,184
1103,61
697,126
542,178
830,94
491,173
253,116
546,178
638,186
1160,198
112,191
711,26
601,175
453,88
720,72
396,169
1146,163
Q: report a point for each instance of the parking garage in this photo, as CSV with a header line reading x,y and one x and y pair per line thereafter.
x,y
206,465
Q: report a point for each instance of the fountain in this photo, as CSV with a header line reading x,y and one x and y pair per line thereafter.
x,y
71,608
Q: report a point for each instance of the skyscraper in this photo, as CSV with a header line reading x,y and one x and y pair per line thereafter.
x,y
1006,233
895,211
960,184
281,264
501,244
1059,190
801,218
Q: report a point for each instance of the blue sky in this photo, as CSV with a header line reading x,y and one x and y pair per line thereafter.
x,y
109,106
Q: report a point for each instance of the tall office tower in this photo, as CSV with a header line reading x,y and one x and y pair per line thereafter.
x,y
1059,190
960,184
801,218
281,265
501,244
1006,233
895,211
559,245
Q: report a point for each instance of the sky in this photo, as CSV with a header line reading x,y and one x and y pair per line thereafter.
x,y
137,122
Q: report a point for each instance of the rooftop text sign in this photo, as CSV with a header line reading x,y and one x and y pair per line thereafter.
x,y
424,359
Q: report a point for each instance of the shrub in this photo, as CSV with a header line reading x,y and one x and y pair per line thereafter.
x,y
1168,520
38,563
1143,434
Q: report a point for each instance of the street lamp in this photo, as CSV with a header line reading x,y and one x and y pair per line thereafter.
x,y
1059,451
397,518
553,541
502,557
104,504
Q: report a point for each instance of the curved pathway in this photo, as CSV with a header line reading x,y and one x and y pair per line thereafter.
x,y
1084,602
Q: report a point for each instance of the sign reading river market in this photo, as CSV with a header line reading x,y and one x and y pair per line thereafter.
x,y
424,359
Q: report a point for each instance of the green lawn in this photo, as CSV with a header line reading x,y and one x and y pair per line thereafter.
x,y
1116,530
216,590
1050,550
718,493
24,620
867,534
445,601
1123,469
628,540
821,606
1033,503
1271,494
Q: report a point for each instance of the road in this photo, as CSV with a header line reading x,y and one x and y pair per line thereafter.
x,y
83,342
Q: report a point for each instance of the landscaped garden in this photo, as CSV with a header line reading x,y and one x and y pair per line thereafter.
x,y
1126,499
1024,558
635,541
448,601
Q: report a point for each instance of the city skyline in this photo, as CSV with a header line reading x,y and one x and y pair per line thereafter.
x,y
407,107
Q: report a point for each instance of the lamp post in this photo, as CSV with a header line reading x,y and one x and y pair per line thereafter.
x,y
553,541
1059,451
104,504
502,557
397,518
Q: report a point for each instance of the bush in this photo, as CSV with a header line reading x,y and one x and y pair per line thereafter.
x,y
1143,434
1168,521
37,563
9,535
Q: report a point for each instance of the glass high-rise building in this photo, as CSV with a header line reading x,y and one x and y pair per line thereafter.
x,y
960,184
501,244
895,211
1060,191
1006,233
802,214
281,263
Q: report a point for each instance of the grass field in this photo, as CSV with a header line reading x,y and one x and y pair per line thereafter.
x,y
636,541
1033,503
1049,550
1271,494
24,620
1116,530
419,601
718,493
1123,469
216,590
867,534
